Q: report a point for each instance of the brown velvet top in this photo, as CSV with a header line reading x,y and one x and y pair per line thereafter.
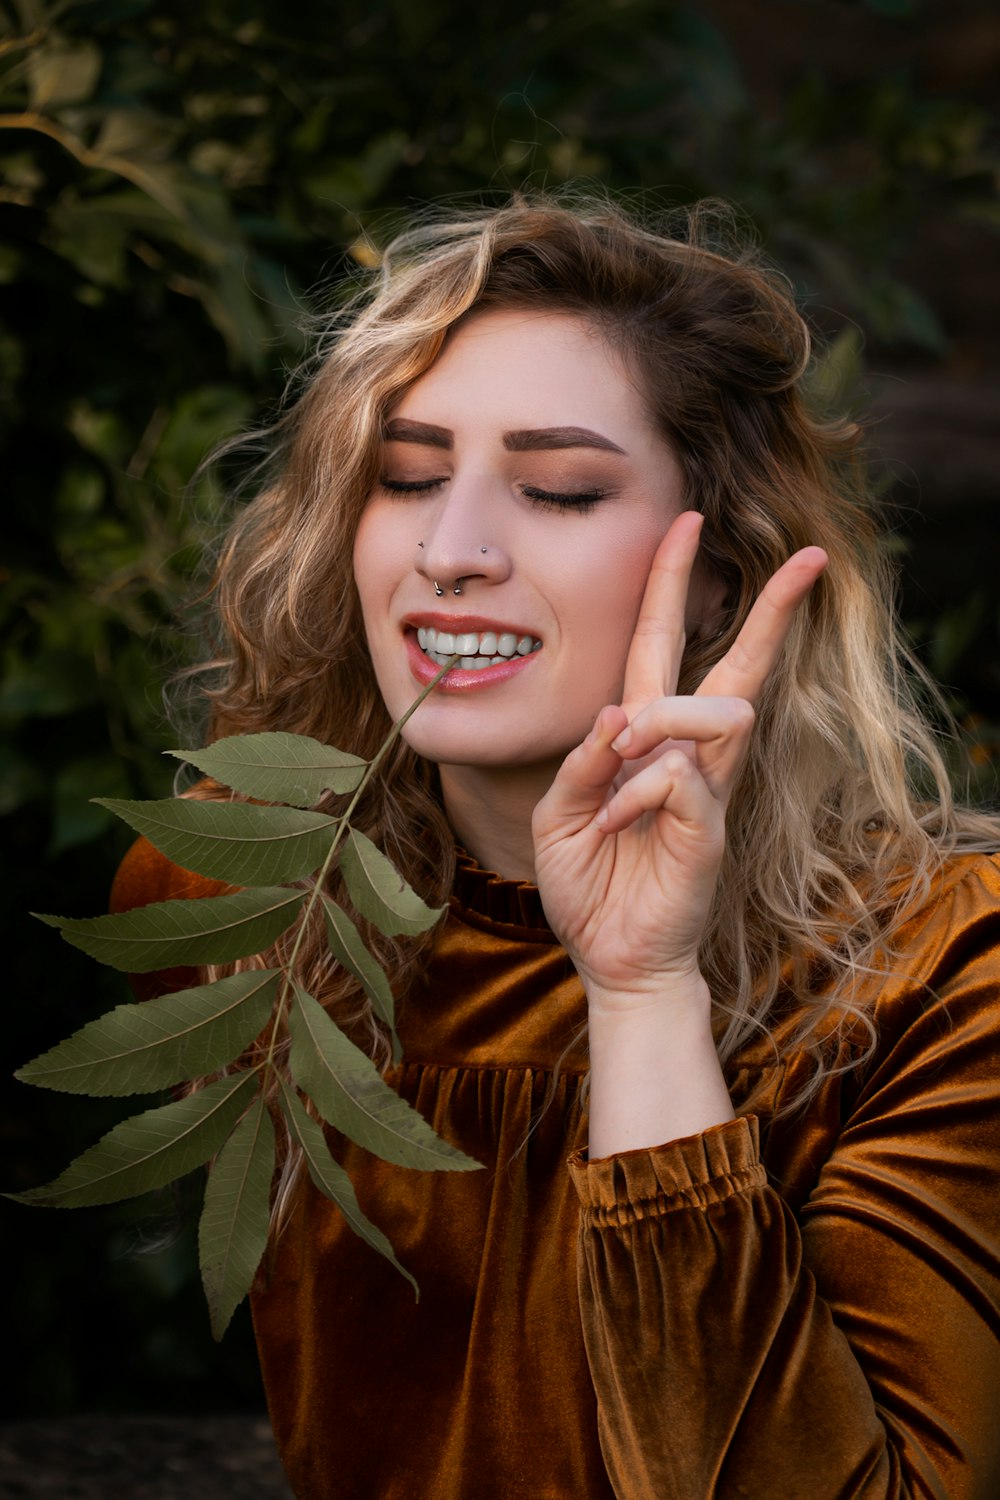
x,y
804,1308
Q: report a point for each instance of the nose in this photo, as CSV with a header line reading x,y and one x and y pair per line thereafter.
x,y
458,547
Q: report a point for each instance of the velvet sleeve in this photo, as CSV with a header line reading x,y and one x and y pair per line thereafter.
x,y
849,1346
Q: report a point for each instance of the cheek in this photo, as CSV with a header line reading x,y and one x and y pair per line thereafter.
x,y
624,575
363,547
607,600
371,559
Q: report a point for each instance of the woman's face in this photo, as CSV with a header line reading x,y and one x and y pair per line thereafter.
x,y
523,468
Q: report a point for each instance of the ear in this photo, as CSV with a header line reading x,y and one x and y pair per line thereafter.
x,y
706,601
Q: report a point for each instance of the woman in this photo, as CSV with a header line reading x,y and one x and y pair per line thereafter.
x,y
679,756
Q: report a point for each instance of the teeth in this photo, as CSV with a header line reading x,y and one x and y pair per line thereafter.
x,y
475,651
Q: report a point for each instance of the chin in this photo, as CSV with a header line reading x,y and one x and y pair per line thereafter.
x,y
484,752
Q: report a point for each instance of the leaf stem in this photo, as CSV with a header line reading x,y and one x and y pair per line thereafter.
x,y
343,824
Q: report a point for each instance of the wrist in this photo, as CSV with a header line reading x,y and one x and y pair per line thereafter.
x,y
679,992
655,1074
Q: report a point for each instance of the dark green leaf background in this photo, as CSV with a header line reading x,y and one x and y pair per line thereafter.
x,y
176,182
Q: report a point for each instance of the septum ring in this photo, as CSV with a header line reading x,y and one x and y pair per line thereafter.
x,y
439,591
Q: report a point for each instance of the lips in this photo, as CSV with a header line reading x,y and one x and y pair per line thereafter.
x,y
481,663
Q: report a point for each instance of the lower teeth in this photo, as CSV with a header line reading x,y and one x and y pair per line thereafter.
x,y
468,663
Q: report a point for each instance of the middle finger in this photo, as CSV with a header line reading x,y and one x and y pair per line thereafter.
x,y
747,664
717,730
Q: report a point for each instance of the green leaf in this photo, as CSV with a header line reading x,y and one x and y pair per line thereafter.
x,y
379,891
212,930
351,1094
331,1179
232,1231
348,948
277,767
150,1149
232,841
136,1049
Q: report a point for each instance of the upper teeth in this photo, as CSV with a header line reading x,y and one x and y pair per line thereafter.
x,y
487,649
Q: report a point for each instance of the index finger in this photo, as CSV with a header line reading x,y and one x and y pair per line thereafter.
x,y
654,658
747,664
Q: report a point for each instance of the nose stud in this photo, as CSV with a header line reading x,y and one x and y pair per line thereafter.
x,y
482,549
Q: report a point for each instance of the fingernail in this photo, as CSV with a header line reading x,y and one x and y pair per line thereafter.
x,y
622,741
602,818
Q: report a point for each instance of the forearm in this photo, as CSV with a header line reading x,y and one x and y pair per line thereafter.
x,y
654,1071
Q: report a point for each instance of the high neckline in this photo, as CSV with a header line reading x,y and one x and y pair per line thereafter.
x,y
508,903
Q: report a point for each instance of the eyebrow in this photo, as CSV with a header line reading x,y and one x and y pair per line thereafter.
x,y
533,438
401,431
525,440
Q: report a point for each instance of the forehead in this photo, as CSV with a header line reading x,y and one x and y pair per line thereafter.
x,y
526,369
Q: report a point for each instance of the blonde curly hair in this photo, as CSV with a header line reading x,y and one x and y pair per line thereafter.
x,y
844,786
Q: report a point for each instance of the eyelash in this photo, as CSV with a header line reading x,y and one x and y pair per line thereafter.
x,y
581,502
409,486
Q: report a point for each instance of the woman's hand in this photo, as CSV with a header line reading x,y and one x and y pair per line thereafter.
x,y
629,839
628,843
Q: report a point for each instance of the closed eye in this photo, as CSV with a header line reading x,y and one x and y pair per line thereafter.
x,y
409,486
579,500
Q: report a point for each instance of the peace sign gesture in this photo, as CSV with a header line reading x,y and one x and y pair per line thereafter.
x,y
630,836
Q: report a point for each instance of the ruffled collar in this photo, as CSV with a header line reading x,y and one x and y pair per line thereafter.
x,y
484,893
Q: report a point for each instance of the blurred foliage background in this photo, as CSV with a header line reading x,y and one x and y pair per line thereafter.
x,y
176,181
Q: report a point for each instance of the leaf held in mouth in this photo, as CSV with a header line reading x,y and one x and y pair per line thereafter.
x,y
150,1149
190,1034
277,767
232,841
137,1049
380,893
351,1094
213,930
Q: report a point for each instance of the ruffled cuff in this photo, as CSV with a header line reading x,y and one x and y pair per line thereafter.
x,y
691,1173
